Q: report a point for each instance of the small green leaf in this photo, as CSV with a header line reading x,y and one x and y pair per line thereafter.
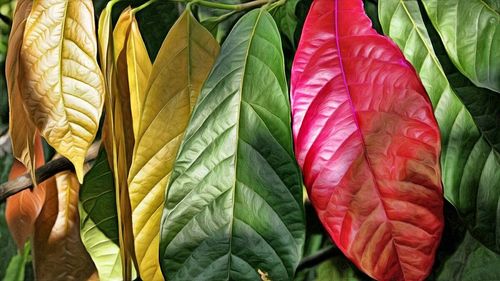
x,y
17,265
286,19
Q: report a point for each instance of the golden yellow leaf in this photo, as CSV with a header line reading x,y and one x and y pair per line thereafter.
x,y
181,67
58,251
139,70
21,129
63,86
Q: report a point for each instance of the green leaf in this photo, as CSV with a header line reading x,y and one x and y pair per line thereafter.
x,y
8,247
234,204
469,32
287,20
218,21
470,161
471,262
338,269
16,269
98,219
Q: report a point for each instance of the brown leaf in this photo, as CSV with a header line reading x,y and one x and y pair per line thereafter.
x,y
23,208
59,253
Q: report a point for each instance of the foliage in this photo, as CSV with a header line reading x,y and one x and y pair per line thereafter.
x,y
251,139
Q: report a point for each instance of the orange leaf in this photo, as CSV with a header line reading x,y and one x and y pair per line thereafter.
x,y
24,207
59,253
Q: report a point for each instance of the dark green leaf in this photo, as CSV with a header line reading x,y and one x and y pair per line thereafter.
x,y
218,21
287,20
17,265
234,205
8,247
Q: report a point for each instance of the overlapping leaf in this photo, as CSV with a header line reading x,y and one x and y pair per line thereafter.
x,y
181,67
470,33
63,87
367,142
470,156
98,219
23,208
21,129
234,204
58,251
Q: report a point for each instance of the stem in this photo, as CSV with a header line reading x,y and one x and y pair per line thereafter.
x,y
43,173
237,7
318,257
139,8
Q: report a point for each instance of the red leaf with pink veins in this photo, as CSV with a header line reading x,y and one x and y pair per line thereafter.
x,y
367,142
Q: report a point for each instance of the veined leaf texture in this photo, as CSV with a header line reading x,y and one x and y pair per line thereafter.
x,y
470,156
180,68
63,88
234,203
367,142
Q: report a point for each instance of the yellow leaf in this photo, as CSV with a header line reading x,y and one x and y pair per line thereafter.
x,y
118,137
181,67
21,129
58,251
63,86
139,70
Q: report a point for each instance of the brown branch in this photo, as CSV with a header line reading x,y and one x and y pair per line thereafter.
x,y
43,173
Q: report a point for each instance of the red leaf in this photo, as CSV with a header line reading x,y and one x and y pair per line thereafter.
x,y
23,208
367,142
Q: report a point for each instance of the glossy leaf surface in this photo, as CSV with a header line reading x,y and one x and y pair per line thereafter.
x,y
181,67
23,208
58,252
367,142
470,154
470,30
21,129
63,86
98,219
234,204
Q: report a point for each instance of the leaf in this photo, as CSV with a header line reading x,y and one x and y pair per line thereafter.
x,y
219,21
139,70
468,158
468,29
234,203
117,134
21,129
286,19
472,261
63,88
181,67
368,144
8,249
337,269
98,219
16,269
23,208
58,252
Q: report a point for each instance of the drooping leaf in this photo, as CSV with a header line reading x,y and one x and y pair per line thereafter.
x,y
21,129
470,33
470,262
219,21
139,70
234,203
181,67
470,155
23,208
98,219
118,135
63,89
58,252
367,142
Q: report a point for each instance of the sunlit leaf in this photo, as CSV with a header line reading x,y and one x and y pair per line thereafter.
x,y
470,154
470,30
58,252
367,142
178,73
234,205
63,88
21,129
